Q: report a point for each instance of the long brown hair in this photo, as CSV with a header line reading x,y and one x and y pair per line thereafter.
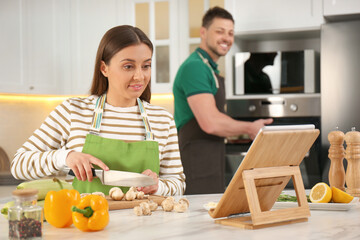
x,y
113,41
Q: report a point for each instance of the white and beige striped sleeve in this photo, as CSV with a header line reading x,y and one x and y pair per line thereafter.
x,y
44,154
172,177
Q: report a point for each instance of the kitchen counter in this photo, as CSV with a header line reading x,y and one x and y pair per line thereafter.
x,y
197,224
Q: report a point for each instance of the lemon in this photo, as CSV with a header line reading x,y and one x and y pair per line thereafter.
x,y
339,196
320,193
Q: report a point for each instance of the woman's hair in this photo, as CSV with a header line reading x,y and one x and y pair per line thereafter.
x,y
113,41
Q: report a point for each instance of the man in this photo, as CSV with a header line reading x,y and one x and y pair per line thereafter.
x,y
199,107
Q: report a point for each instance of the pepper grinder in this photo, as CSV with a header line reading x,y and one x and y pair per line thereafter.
x,y
336,155
352,156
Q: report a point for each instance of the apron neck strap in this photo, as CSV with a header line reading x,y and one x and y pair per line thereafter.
x,y
212,70
98,114
149,135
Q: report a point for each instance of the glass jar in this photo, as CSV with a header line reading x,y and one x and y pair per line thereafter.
x,y
25,217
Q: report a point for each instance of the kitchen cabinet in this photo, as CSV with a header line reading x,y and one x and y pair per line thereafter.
x,y
277,25
262,16
89,22
33,46
49,47
341,8
10,46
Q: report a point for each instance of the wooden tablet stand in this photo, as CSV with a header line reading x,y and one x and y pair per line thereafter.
x,y
273,158
260,219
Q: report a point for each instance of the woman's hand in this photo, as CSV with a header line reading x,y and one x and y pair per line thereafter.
x,y
81,164
153,188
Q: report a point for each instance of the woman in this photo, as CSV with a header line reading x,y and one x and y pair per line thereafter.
x,y
115,128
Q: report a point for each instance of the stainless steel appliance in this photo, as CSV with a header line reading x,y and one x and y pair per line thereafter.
x,y
285,109
340,80
276,72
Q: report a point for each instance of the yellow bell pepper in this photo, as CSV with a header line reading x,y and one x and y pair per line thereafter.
x,y
91,214
57,207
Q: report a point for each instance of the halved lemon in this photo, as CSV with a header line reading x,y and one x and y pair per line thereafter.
x,y
339,196
320,193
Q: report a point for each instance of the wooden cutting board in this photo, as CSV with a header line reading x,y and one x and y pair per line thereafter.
x,y
122,204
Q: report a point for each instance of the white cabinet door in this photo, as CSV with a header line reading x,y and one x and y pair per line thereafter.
x,y
90,19
33,46
11,71
44,45
341,7
276,15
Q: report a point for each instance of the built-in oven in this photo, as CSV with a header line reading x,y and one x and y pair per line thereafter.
x,y
278,72
285,109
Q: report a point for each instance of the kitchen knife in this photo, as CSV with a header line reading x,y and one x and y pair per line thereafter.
x,y
121,178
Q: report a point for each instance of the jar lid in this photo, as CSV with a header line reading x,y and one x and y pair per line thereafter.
x,y
25,192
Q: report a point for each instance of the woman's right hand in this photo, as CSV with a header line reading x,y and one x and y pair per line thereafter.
x,y
81,164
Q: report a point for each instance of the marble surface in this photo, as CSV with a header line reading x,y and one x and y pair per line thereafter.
x,y
197,224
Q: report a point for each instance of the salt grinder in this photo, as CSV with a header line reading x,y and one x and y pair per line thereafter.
x,y
336,155
352,156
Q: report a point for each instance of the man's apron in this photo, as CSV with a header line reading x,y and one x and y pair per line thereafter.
x,y
117,154
203,155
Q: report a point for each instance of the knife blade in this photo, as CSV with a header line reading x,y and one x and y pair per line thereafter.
x,y
121,178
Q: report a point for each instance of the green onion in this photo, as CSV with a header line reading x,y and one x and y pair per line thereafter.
x,y
289,198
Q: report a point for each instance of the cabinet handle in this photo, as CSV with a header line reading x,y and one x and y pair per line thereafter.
x,y
31,87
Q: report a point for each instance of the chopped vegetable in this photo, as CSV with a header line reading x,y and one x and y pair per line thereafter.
x,y
289,198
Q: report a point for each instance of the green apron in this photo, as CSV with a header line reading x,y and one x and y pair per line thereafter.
x,y
117,154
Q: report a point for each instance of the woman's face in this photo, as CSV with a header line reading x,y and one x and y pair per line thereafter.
x,y
128,73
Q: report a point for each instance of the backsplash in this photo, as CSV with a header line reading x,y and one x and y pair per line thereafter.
x,y
21,115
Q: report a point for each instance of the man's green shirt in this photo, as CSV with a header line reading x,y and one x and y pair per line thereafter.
x,y
193,77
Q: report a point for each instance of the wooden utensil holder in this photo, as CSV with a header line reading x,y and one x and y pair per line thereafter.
x,y
260,219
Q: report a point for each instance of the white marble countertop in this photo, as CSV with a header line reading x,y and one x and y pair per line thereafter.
x,y
197,224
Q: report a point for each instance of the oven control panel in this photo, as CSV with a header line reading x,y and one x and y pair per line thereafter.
x,y
275,106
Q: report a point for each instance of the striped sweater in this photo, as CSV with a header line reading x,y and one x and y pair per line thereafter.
x,y
65,129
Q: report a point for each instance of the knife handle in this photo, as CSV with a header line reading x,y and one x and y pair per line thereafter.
x,y
73,174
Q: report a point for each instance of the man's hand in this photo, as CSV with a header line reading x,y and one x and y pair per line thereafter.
x,y
257,125
214,122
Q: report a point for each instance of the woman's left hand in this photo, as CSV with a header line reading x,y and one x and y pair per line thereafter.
x,y
153,188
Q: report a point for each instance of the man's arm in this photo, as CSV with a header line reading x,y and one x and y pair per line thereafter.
x,y
214,122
